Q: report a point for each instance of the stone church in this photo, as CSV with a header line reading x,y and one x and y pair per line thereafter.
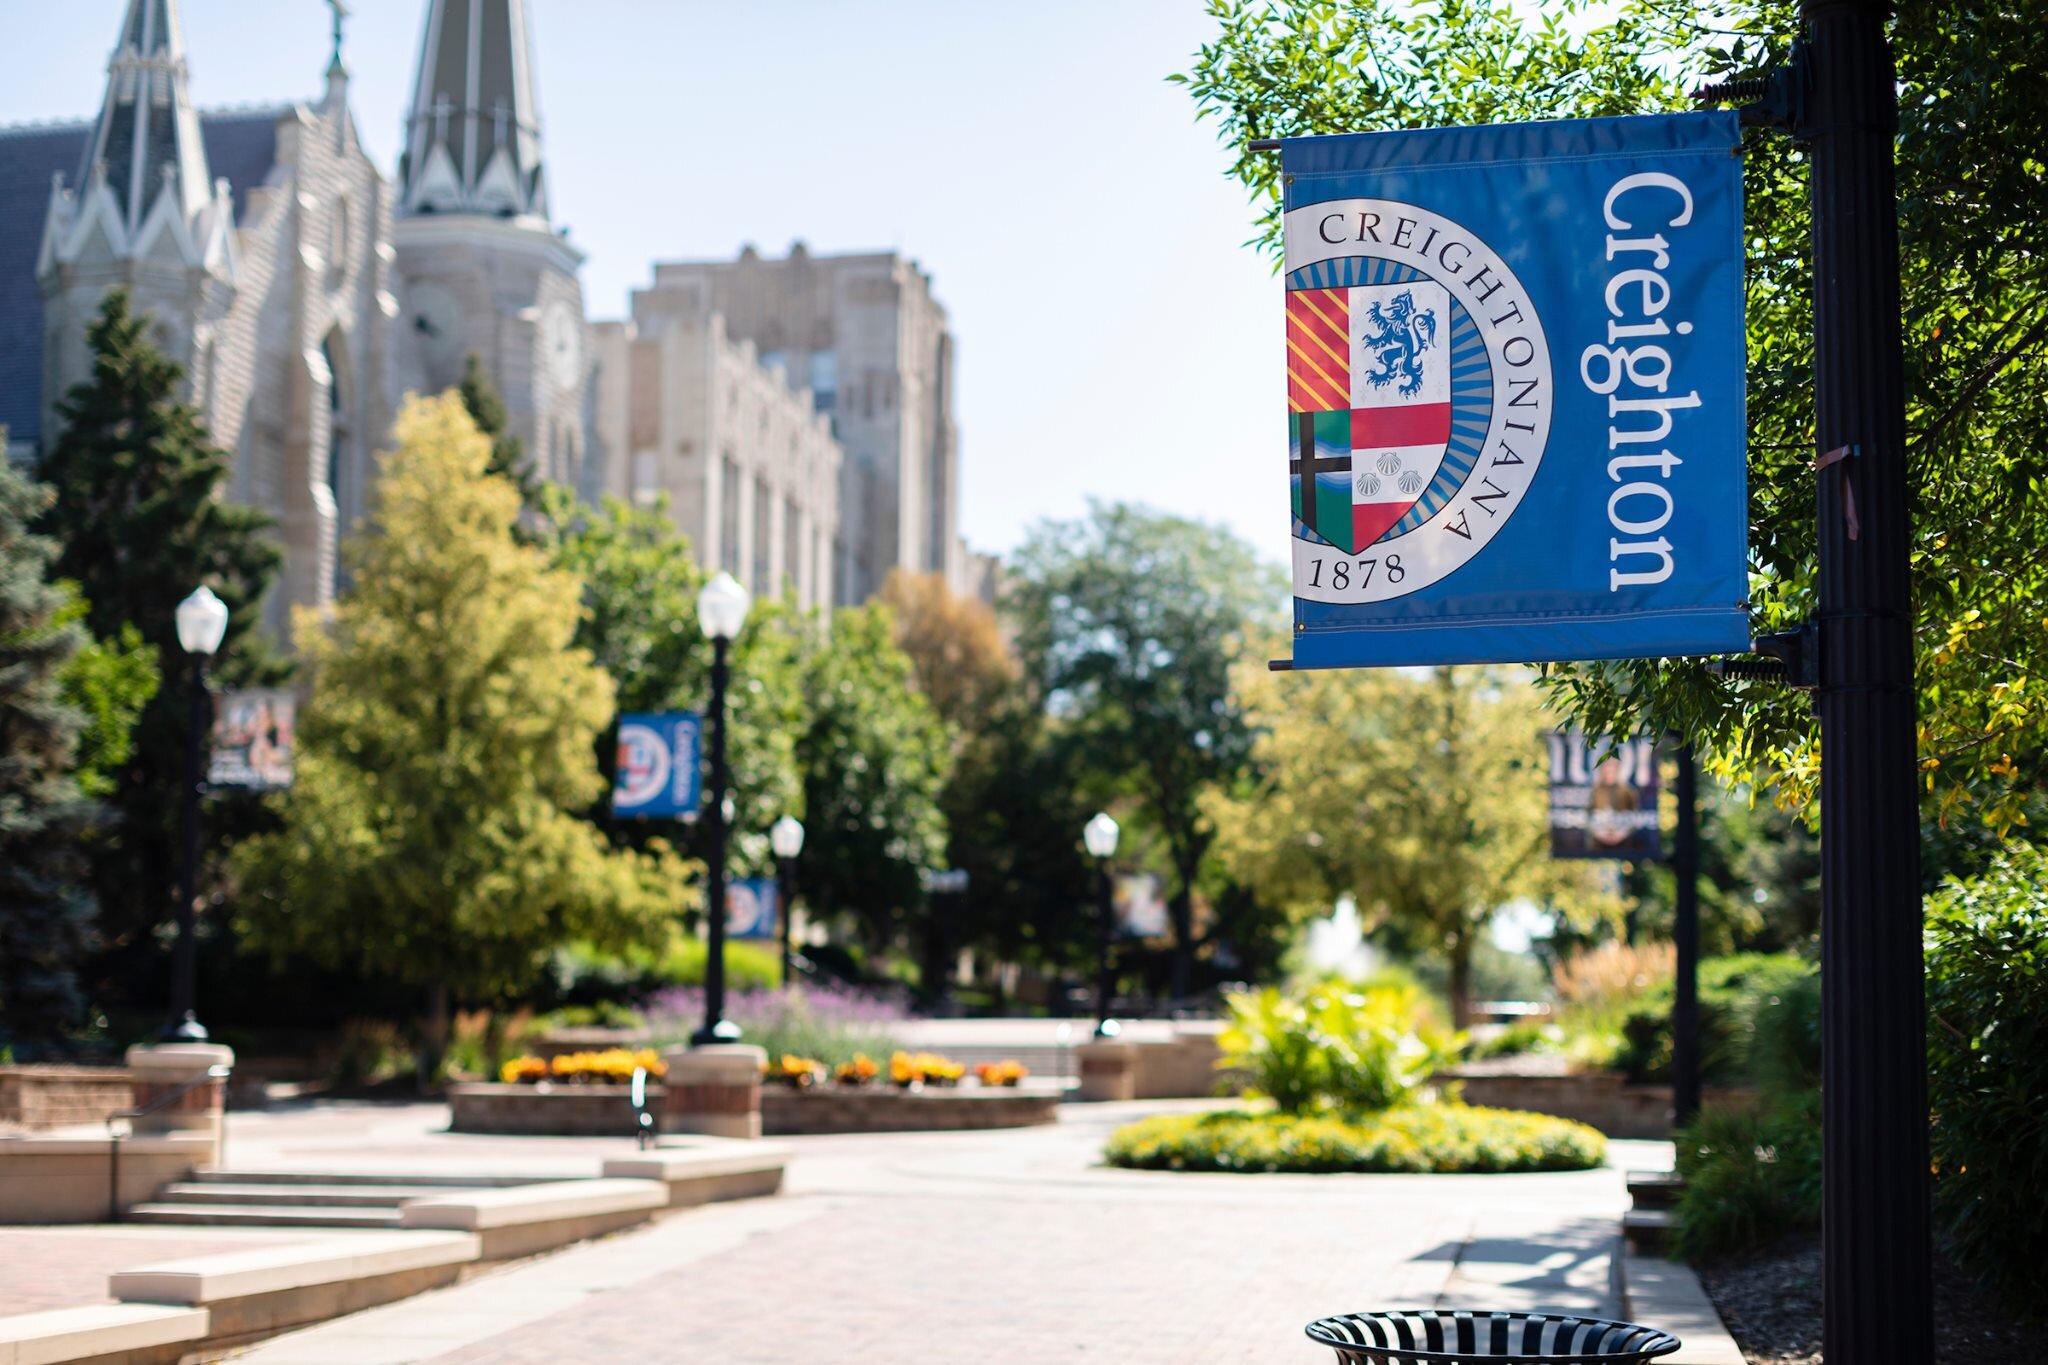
x,y
305,291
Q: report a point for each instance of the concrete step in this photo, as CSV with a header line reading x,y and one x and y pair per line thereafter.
x,y
440,1180
264,1216
1648,1230
1654,1189
318,1196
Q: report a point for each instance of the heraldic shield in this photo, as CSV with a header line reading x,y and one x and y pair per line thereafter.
x,y
1369,393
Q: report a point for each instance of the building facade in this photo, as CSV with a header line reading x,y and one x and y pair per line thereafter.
x,y
256,242
867,337
747,464
796,414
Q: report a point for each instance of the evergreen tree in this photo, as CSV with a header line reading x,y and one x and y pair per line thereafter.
x,y
432,835
46,910
486,407
140,523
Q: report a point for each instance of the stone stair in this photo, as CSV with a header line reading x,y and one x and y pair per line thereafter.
x,y
303,1199
1654,1197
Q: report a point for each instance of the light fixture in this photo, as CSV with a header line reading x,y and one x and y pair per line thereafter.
x,y
722,607
202,621
1100,835
786,837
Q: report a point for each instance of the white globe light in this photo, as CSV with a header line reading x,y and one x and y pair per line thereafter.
x,y
202,621
722,607
1100,835
786,837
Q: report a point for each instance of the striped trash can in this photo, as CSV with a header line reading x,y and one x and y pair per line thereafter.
x,y
1437,1337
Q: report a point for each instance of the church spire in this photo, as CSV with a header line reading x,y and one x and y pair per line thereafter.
x,y
472,140
147,138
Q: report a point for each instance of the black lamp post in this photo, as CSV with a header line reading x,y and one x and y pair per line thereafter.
x,y
945,890
1099,836
721,610
786,837
202,621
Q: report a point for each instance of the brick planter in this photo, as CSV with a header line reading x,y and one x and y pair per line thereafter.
x,y
546,1109
63,1096
876,1109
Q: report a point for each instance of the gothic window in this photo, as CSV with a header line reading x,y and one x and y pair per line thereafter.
x,y
337,243
729,516
792,544
764,503
340,440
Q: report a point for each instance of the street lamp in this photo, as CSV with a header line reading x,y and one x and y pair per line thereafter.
x,y
950,884
786,837
721,611
1099,836
202,621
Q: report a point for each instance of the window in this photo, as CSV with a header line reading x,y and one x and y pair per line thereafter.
x,y
824,380
340,446
764,503
337,244
729,516
792,545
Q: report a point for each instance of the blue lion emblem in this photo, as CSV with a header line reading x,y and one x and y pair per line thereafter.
x,y
1400,334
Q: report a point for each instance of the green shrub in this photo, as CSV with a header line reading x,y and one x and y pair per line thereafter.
x,y
1413,1139
1749,1178
603,1014
583,976
1759,1024
1516,1040
1333,1046
1987,1045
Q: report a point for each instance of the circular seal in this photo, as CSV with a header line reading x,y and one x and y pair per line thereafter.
x,y
1443,362
643,765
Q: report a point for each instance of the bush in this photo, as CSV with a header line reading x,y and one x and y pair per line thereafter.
x,y
1759,1015
1333,1047
1987,1046
833,1024
582,976
1413,1139
1749,1178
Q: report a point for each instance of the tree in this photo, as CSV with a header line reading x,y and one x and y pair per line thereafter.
x,y
141,522
433,834
46,907
486,407
1126,624
874,758
640,584
957,653
1423,796
1973,101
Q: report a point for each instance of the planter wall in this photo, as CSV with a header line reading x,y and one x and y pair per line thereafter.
x,y
875,1109
556,1110
60,1096
563,1041
1602,1100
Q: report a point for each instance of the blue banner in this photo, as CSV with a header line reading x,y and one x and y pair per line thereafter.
x,y
1515,392
751,908
658,774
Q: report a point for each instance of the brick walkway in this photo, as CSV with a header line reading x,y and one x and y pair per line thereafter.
x,y
1011,1246
67,1267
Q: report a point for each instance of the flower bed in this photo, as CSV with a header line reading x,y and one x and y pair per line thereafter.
x,y
1413,1139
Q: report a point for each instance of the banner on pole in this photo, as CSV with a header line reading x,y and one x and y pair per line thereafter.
x,y
751,908
254,733
1515,392
1140,904
658,775
1604,806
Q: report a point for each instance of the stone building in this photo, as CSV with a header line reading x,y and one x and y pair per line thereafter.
x,y
747,463
866,336
797,413
256,241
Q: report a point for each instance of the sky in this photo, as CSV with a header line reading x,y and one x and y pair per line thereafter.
x,y
1116,339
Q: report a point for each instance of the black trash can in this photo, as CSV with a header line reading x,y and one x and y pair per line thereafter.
x,y
1434,1337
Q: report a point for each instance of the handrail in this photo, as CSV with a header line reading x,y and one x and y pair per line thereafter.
x,y
643,1120
219,1071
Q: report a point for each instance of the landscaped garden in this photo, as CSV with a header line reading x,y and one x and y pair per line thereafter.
x,y
1343,1079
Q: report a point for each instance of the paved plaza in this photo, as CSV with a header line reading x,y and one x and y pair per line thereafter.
x,y
988,1246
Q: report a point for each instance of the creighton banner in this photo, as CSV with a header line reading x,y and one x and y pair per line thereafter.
x,y
1515,392
1603,797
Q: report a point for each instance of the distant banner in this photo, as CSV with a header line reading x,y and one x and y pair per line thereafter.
x,y
658,774
1515,392
1140,906
751,907
1604,808
253,739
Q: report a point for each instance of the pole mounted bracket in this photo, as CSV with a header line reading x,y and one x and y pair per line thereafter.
x,y
1776,99
1789,656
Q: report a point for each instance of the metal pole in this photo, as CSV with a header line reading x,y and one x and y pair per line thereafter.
x,y
1106,929
786,868
183,1024
1685,1003
1877,1307
717,1029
